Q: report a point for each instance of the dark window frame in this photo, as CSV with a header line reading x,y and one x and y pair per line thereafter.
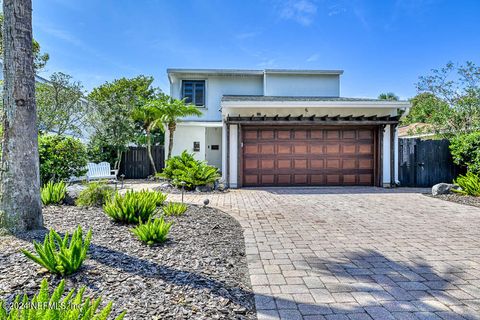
x,y
194,84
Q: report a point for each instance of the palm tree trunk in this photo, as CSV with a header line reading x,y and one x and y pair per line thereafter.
x,y
20,205
171,130
149,151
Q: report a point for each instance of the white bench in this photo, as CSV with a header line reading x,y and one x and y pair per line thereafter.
x,y
100,171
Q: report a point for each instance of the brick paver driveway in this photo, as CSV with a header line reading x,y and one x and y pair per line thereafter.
x,y
357,253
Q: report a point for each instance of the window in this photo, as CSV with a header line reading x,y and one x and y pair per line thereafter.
x,y
194,92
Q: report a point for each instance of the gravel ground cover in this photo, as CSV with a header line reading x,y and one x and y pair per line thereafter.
x,y
199,273
468,200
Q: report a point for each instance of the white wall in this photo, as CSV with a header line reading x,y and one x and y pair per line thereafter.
x,y
183,139
386,155
302,85
213,136
233,183
216,87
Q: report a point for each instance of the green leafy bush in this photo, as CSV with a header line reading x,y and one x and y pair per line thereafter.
x,y
131,207
469,184
61,256
189,170
465,150
174,209
96,194
44,306
154,231
53,193
61,157
156,196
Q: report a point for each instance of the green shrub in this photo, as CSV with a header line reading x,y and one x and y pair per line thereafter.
x,y
96,194
465,150
61,158
61,256
189,170
53,193
156,196
154,231
469,184
44,306
174,209
131,207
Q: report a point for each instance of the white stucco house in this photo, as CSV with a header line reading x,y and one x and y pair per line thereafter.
x,y
286,128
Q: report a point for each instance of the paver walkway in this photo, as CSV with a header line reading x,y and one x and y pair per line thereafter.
x,y
357,253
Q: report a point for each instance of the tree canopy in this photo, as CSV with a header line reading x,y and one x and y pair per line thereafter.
x,y
388,96
60,105
449,98
112,105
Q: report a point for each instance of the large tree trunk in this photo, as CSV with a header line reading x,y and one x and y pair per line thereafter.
x,y
171,130
149,150
20,206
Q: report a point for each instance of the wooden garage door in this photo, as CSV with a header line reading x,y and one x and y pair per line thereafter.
x,y
308,156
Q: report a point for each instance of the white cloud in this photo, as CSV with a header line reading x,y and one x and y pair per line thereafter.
x,y
302,11
313,57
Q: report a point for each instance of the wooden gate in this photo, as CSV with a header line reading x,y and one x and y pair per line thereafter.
x,y
136,164
424,163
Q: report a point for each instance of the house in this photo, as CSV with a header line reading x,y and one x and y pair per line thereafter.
x,y
286,128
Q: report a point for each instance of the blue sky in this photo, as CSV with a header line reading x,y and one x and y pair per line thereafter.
x,y
382,45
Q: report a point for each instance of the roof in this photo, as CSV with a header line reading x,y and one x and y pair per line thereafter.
x,y
258,72
313,119
295,98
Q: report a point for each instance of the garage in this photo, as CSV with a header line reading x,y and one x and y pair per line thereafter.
x,y
309,156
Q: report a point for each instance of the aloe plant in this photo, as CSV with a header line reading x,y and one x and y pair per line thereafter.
x,y
44,306
61,256
154,231
53,193
131,207
174,209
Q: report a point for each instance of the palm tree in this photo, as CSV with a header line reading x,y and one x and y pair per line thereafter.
x,y
170,112
390,96
150,116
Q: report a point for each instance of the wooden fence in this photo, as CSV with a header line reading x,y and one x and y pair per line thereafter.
x,y
136,164
424,163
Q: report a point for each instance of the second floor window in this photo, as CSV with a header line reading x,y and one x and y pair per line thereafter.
x,y
194,92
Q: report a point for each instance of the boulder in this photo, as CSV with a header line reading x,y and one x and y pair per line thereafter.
x,y
73,191
221,187
205,188
443,188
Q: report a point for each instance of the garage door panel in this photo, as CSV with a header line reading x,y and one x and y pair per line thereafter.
x,y
266,134
284,179
284,149
250,149
267,149
308,156
267,164
300,178
284,134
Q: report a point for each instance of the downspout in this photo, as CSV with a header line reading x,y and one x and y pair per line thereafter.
x,y
392,155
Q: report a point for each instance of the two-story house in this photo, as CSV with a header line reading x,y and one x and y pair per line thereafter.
x,y
286,128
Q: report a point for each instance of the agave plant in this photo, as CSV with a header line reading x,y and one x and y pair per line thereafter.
x,y
53,193
45,307
174,209
131,207
61,256
469,184
154,231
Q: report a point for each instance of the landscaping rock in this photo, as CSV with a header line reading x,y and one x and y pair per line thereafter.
x,y
73,191
199,273
221,187
205,188
442,188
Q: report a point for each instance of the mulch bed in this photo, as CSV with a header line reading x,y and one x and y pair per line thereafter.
x,y
199,273
467,200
